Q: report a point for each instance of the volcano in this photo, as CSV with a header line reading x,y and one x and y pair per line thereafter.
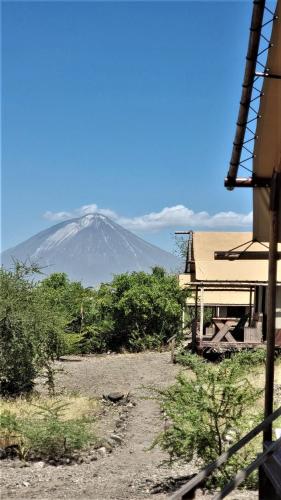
x,y
90,249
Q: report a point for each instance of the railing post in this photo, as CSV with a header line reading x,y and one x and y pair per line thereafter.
x,y
271,300
266,490
194,323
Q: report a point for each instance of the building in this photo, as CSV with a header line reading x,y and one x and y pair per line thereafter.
x,y
233,291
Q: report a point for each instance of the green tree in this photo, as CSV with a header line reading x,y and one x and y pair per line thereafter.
x,y
30,330
75,306
69,298
137,311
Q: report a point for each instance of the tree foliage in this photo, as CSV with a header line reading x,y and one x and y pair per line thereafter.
x,y
136,311
72,301
39,321
208,411
30,330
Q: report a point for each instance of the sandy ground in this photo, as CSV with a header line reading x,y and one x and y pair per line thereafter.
x,y
131,469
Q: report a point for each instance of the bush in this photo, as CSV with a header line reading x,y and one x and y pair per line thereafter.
x,y
30,329
252,358
207,412
71,343
134,312
73,302
46,433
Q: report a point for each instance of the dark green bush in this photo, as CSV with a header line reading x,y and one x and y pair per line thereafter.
x,y
30,331
136,311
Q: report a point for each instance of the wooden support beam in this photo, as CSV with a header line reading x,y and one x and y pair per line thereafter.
x,y
247,182
271,298
246,255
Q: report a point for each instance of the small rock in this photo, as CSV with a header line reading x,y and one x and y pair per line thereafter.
x,y
93,458
39,465
116,438
108,444
115,396
26,483
102,451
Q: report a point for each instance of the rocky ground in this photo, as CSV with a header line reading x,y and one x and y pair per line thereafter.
x,y
123,467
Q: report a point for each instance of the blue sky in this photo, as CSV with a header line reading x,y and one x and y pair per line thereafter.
x,y
126,107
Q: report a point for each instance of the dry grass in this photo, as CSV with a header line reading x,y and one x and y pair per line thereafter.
x,y
257,378
33,409
75,406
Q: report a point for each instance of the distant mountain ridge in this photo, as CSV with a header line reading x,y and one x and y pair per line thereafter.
x,y
90,249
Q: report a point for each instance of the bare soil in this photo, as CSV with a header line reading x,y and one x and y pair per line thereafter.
x,y
130,470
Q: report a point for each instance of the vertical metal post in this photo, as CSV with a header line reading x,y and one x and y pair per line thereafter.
x,y
271,300
250,307
194,324
201,313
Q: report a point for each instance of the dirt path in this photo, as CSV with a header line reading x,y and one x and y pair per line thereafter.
x,y
130,470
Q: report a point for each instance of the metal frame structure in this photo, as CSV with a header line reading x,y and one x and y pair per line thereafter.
x,y
250,94
273,183
242,143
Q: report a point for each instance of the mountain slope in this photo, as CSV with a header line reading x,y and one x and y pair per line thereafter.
x,y
90,249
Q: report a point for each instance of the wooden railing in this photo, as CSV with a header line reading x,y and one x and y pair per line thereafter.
x,y
240,476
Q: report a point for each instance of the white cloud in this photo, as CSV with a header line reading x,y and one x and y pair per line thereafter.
x,y
56,216
178,216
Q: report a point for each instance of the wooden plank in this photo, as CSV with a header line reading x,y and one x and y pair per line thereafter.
x,y
252,335
223,331
229,337
226,345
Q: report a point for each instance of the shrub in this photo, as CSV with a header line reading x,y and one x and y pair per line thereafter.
x,y
74,303
71,343
207,412
249,358
46,433
53,437
136,311
30,331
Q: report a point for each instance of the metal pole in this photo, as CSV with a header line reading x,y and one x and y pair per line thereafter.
x,y
194,325
201,313
250,307
271,300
